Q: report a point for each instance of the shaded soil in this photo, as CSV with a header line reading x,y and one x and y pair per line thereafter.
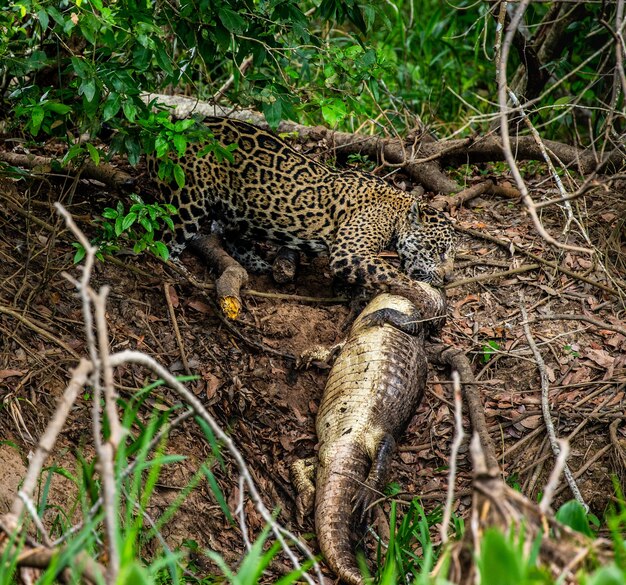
x,y
267,405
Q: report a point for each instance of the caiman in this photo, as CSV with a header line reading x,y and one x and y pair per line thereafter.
x,y
372,392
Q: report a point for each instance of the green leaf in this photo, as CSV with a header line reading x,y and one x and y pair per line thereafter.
x,y
36,119
161,145
118,225
272,112
80,252
160,250
333,111
609,575
133,149
109,213
42,15
180,143
147,224
57,108
573,514
128,221
133,574
88,89
93,153
489,349
499,563
74,151
231,20
179,176
112,106
130,110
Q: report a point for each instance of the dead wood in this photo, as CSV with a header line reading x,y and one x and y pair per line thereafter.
x,y
494,504
545,46
450,202
421,159
285,265
232,275
105,173
509,245
41,557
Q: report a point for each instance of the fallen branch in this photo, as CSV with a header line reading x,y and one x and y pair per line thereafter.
x,y
561,550
492,276
105,173
451,202
422,161
232,275
39,330
508,245
584,318
454,454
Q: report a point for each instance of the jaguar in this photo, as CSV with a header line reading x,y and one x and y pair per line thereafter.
x,y
271,192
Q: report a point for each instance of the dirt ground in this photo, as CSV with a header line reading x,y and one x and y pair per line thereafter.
x,y
268,406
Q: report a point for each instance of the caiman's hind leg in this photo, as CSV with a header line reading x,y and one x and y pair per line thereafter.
x,y
372,489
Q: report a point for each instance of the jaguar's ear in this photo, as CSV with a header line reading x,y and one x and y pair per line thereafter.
x,y
415,212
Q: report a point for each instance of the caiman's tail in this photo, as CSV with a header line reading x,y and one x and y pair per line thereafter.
x,y
339,476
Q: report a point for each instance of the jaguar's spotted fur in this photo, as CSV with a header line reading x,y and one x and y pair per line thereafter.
x,y
273,193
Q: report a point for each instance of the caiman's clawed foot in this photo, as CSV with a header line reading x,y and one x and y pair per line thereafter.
x,y
319,353
409,324
363,506
302,476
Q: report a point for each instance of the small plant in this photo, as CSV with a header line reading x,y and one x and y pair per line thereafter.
x,y
571,349
489,350
506,559
573,514
411,551
138,227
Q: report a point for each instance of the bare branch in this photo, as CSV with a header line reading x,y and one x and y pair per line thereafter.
x,y
545,402
456,444
503,91
553,482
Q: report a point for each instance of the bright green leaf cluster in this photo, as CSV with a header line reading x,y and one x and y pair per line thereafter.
x,y
138,226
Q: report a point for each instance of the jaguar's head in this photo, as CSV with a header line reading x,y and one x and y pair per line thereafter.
x,y
426,245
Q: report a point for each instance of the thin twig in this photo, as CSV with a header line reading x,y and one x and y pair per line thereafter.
x,y
585,318
503,91
492,275
553,482
456,444
48,439
39,330
179,339
545,402
97,345
509,246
